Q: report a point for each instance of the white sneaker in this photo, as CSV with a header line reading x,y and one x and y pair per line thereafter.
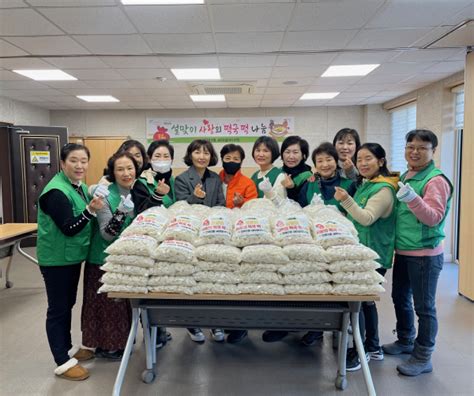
x,y
218,335
196,335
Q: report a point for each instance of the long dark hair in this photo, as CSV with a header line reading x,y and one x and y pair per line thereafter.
x,y
196,145
378,152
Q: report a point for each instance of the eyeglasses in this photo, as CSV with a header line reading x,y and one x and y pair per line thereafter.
x,y
420,149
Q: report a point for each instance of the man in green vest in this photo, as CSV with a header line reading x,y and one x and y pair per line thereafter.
x,y
425,196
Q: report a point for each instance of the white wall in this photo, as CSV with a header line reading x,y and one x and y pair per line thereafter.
x,y
21,113
316,124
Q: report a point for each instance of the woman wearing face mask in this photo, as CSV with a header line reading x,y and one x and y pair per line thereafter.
x,y
269,178
294,153
347,142
373,212
65,214
238,188
199,185
155,185
105,322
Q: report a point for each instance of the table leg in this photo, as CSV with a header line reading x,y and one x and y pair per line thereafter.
x,y
128,350
23,253
361,351
154,334
8,283
341,381
148,375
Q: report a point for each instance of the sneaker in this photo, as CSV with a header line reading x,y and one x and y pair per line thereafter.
x,y
236,336
397,348
110,355
273,335
162,337
218,335
196,334
376,355
352,360
311,338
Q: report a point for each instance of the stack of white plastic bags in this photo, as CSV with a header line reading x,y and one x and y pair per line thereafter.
x,y
352,265
258,249
130,258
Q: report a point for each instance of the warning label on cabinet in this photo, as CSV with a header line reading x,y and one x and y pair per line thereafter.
x,y
40,157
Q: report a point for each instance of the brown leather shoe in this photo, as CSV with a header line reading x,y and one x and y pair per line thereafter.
x,y
72,371
84,354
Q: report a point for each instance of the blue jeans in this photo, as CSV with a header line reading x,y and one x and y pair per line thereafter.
x,y
416,278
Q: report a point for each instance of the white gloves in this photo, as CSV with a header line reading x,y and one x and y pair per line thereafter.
x,y
406,193
126,204
265,185
317,200
101,191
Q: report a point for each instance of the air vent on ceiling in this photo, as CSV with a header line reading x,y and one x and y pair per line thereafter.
x,y
223,89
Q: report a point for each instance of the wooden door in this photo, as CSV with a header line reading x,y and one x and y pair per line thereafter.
x,y
101,150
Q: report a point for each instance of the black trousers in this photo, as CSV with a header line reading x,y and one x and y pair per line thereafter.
x,y
61,288
369,322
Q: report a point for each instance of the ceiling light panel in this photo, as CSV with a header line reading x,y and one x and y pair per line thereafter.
x,y
98,98
160,2
349,70
196,74
46,75
207,98
319,95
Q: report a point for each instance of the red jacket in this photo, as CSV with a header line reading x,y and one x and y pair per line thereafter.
x,y
239,184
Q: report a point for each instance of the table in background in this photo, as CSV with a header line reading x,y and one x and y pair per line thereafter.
x,y
11,234
261,312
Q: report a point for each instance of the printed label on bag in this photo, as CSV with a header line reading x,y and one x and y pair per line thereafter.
x,y
215,225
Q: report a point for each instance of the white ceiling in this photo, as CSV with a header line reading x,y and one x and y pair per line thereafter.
x,y
120,50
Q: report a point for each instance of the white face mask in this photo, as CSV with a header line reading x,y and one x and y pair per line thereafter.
x,y
161,166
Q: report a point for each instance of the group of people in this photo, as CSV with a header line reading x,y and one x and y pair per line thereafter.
x,y
401,218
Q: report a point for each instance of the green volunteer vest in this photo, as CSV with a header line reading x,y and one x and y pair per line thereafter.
x,y
53,247
313,188
380,236
412,234
302,177
272,176
169,199
97,253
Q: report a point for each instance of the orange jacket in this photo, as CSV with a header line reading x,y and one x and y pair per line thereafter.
x,y
240,184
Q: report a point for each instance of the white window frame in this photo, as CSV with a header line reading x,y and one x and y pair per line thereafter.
x,y
402,120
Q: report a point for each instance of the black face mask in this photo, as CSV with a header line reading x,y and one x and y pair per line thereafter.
x,y
231,168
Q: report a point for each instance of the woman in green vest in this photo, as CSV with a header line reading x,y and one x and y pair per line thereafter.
x,y
269,178
105,322
65,215
294,153
324,182
347,143
326,178
155,186
373,212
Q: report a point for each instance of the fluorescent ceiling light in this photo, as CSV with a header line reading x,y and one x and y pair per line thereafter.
x,y
196,74
98,98
207,98
349,70
319,95
160,2
45,75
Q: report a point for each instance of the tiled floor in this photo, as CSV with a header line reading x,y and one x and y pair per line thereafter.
x,y
249,368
